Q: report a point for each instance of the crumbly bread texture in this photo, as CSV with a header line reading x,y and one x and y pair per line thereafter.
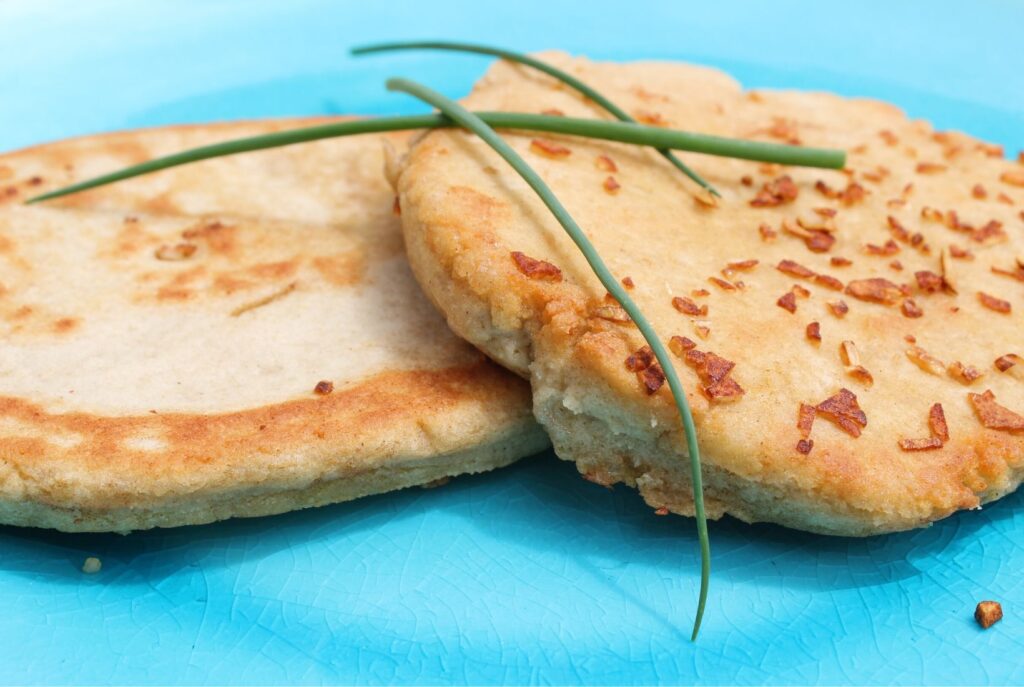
x,y
237,337
863,322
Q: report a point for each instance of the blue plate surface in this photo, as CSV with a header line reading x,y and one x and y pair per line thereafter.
x,y
529,574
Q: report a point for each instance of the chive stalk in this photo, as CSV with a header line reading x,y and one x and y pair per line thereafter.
x,y
478,126
610,131
565,77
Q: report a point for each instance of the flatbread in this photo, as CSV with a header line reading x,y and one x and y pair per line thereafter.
x,y
918,332
163,341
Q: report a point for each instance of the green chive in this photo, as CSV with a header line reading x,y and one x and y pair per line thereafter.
x,y
478,126
611,131
564,77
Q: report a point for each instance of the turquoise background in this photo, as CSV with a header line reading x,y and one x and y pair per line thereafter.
x,y
529,574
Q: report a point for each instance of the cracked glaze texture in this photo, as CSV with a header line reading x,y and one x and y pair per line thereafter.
x,y
529,574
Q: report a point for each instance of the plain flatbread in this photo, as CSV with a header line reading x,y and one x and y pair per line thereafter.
x,y
935,297
161,340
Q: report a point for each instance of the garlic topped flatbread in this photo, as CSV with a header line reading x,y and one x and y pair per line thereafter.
x,y
850,340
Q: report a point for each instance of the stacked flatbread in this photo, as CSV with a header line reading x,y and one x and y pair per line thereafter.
x,y
850,340
233,338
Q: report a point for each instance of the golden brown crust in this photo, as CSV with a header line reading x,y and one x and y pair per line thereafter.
x,y
179,350
195,468
464,212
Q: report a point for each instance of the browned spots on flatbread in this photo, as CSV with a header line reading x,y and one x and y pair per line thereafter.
x,y
219,238
965,374
160,204
901,233
641,359
889,248
21,313
939,432
928,281
550,149
991,232
228,284
612,313
274,271
776,192
533,268
652,378
818,241
190,441
129,150
993,415
924,360
180,285
739,266
794,269
342,269
850,357
930,168
679,345
828,281
1013,178
723,284
911,309
687,306
839,308
1016,272
787,301
715,373
927,444
781,128
175,253
650,118
65,325
174,293
996,304
9,194
805,419
843,409
468,202
937,422
131,238
1005,362
960,253
875,290
605,163
852,194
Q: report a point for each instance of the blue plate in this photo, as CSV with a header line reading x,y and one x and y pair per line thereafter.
x,y
529,574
